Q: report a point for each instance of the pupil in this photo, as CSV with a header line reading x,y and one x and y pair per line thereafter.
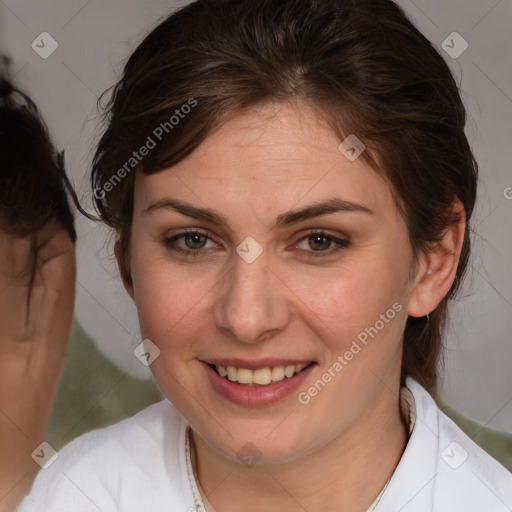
x,y
196,241
322,241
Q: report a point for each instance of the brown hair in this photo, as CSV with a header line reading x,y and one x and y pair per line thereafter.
x,y
33,181
362,63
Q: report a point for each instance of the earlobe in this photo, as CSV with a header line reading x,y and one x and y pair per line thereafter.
x,y
125,276
437,269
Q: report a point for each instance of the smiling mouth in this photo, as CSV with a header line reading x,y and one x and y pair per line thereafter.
x,y
261,376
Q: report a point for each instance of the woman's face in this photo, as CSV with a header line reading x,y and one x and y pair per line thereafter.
x,y
300,258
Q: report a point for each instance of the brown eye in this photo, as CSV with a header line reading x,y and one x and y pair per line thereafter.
x,y
319,243
322,244
195,240
190,243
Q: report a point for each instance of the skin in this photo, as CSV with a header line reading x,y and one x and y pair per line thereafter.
x,y
36,322
337,452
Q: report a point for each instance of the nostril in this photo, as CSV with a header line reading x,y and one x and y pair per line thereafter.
x,y
267,334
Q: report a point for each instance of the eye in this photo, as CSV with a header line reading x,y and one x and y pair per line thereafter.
x,y
190,243
319,243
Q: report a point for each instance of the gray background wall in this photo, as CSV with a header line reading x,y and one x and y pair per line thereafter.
x,y
94,37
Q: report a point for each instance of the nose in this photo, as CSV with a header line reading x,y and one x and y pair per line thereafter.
x,y
252,305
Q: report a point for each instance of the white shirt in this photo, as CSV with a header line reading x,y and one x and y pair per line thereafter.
x,y
142,464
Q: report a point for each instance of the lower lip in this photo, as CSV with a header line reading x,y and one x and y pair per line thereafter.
x,y
255,395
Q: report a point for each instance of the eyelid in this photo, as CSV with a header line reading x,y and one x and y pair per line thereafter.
x,y
178,232
320,231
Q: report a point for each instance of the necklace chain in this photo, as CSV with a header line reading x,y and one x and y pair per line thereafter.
x,y
409,420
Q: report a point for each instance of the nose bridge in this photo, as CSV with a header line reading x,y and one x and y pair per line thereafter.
x,y
252,305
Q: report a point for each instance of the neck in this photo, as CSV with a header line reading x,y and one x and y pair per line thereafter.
x,y
346,474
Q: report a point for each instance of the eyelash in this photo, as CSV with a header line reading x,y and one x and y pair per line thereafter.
x,y
341,244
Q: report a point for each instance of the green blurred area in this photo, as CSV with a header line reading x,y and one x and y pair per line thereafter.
x,y
94,393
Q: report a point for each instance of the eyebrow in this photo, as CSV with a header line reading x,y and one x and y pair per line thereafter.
x,y
285,219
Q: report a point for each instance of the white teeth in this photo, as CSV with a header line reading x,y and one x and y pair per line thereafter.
x,y
261,376
231,372
277,373
289,371
244,376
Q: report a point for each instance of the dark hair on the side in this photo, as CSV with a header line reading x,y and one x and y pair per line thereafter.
x,y
361,63
33,180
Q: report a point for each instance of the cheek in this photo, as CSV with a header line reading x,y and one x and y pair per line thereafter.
x,y
167,299
347,299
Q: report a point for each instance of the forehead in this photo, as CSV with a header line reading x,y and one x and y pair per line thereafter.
x,y
278,154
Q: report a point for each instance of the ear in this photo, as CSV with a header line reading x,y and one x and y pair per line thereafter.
x,y
437,269
126,277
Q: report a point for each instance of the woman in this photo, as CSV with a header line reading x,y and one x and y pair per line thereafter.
x,y
291,188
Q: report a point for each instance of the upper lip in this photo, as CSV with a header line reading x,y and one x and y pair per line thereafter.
x,y
267,362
